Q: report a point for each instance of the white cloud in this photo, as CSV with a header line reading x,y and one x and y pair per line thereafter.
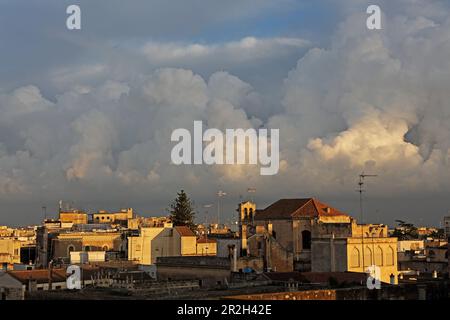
x,y
373,101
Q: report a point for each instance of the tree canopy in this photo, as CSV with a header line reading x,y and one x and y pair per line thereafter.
x,y
182,212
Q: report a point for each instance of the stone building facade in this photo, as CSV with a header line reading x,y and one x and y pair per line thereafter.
x,y
309,235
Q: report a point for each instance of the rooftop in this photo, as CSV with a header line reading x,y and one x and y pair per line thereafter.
x,y
184,231
195,261
40,276
317,277
295,208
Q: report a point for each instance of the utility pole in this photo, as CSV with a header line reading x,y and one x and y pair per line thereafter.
x,y
206,206
361,182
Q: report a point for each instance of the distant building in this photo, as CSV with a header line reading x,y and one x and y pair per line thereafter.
x,y
404,246
161,241
56,243
17,246
121,218
424,232
64,243
10,287
447,226
206,246
10,250
423,256
73,217
81,257
283,231
209,271
308,235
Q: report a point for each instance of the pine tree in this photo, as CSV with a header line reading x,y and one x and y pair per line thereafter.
x,y
181,211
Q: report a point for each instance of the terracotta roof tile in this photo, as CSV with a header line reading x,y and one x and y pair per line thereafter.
x,y
40,276
205,240
184,231
293,208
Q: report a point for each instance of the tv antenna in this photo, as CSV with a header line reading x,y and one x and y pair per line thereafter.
x,y
361,190
361,182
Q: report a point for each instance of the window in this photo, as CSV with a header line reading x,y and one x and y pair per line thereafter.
x,y
390,256
306,240
355,258
251,213
105,248
70,249
367,257
245,214
378,256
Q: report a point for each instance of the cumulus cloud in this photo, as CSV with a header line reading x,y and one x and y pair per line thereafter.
x,y
373,101
247,50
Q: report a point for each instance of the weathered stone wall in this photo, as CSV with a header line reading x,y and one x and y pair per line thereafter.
x,y
208,277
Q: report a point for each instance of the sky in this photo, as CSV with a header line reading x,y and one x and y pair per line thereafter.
x,y
86,115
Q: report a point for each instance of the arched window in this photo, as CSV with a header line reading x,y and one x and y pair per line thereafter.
x,y
105,248
87,248
378,256
390,256
367,257
355,258
245,213
70,249
306,240
251,213
381,234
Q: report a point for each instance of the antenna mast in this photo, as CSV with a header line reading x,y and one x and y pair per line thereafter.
x,y
362,176
361,183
